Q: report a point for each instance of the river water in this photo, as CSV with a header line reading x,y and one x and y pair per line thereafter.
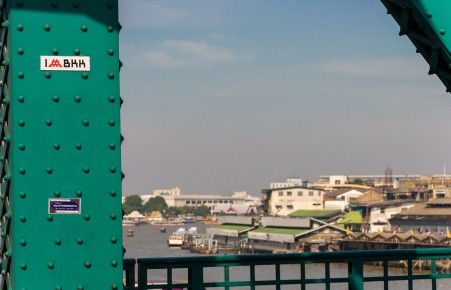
x,y
148,242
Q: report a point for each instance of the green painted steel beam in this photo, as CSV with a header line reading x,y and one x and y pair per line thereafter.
x,y
427,23
60,151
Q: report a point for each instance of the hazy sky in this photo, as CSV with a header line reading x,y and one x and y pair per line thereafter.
x,y
223,96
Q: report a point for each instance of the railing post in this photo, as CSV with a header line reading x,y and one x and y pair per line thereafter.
x,y
355,274
196,277
142,276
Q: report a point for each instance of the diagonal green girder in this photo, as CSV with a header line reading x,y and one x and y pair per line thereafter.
x,y
427,24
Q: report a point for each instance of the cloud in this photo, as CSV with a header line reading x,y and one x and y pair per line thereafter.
x,y
185,53
378,68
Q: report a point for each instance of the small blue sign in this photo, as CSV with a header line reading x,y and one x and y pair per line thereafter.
x,y
64,206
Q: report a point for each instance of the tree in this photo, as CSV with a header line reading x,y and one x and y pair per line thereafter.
x,y
131,203
156,204
201,211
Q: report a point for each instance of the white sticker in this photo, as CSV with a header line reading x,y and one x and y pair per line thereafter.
x,y
67,63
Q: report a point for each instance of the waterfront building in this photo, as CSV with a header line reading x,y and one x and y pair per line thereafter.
x,y
232,231
433,216
245,209
278,234
283,201
174,197
339,198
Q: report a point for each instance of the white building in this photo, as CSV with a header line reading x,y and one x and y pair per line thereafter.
x,y
283,201
289,183
173,197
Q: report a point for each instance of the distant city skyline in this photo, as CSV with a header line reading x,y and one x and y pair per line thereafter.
x,y
225,96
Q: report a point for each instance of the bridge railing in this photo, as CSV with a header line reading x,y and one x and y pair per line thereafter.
x,y
422,268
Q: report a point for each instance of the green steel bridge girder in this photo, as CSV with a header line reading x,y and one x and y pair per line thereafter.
x,y
60,145
427,23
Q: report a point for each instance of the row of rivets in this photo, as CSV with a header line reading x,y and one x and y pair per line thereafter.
x,y
49,170
85,122
57,146
48,75
78,193
51,265
55,51
77,99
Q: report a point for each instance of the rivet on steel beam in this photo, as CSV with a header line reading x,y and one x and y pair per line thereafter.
x,y
84,75
21,99
442,31
20,27
114,240
112,146
56,99
88,264
23,242
20,51
110,51
23,266
22,170
112,99
77,99
114,287
58,241
112,169
20,75
55,51
111,75
57,146
87,217
78,193
48,75
76,4
48,122
78,146
49,218
80,241
22,194
58,288
57,193
49,170
113,216
84,28
429,14
79,287
112,192
85,122
21,123
23,218
47,27
111,122
86,169
50,265
21,147
76,51
110,28
114,263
